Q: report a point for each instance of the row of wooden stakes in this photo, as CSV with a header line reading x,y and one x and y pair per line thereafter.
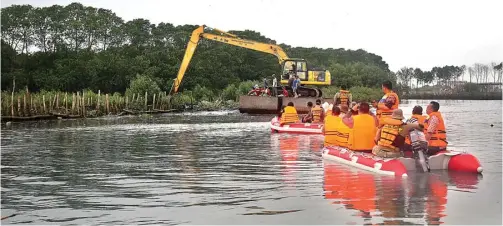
x,y
80,105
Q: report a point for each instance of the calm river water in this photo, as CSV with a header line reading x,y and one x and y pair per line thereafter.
x,y
227,168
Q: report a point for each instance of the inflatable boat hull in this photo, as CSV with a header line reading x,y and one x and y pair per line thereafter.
x,y
298,128
445,160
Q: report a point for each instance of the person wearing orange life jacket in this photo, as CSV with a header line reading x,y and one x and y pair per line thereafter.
x,y
391,135
363,128
435,129
317,112
336,133
289,114
417,117
388,102
343,96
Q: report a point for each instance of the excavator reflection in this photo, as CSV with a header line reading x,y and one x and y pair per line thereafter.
x,y
422,198
290,66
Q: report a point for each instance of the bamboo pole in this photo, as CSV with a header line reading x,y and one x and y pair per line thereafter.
x,y
24,104
83,105
43,101
12,104
98,104
31,104
57,100
66,103
18,105
77,104
153,103
73,103
29,98
146,108
107,104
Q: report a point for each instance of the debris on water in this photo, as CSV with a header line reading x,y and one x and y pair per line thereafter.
x,y
272,212
492,125
255,207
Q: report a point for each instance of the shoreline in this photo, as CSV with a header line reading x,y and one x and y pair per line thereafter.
x,y
203,107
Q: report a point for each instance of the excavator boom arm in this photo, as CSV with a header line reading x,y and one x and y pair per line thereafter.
x,y
229,39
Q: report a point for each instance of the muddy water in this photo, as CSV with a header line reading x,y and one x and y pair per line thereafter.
x,y
227,168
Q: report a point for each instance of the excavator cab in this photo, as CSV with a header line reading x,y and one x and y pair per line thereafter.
x,y
295,67
307,77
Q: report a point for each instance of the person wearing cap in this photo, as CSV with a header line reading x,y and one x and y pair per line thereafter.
x,y
389,102
343,96
317,112
436,134
363,128
391,136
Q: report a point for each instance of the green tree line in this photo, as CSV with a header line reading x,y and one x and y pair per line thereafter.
x,y
76,47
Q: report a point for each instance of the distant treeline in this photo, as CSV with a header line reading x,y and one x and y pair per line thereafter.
x,y
75,47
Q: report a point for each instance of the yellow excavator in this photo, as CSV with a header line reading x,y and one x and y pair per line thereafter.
x,y
290,66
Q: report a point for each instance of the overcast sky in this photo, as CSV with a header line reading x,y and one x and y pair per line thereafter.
x,y
420,34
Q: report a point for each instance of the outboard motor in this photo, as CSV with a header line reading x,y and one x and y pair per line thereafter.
x,y
419,149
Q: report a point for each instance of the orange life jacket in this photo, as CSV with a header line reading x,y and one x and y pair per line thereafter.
x,y
382,110
336,132
390,133
316,110
343,97
289,115
421,121
361,137
439,137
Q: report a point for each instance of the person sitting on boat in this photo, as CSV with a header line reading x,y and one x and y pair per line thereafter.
x,y
289,114
309,117
343,96
344,110
363,129
373,107
354,108
391,136
333,130
435,129
389,102
317,112
417,117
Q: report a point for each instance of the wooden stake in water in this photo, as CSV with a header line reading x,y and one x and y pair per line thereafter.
x,y
73,103
77,104
31,104
43,101
146,100
66,103
98,103
24,104
107,104
57,101
18,105
12,104
83,105
153,103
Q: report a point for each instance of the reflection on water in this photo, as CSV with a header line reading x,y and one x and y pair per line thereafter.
x,y
224,168
421,199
